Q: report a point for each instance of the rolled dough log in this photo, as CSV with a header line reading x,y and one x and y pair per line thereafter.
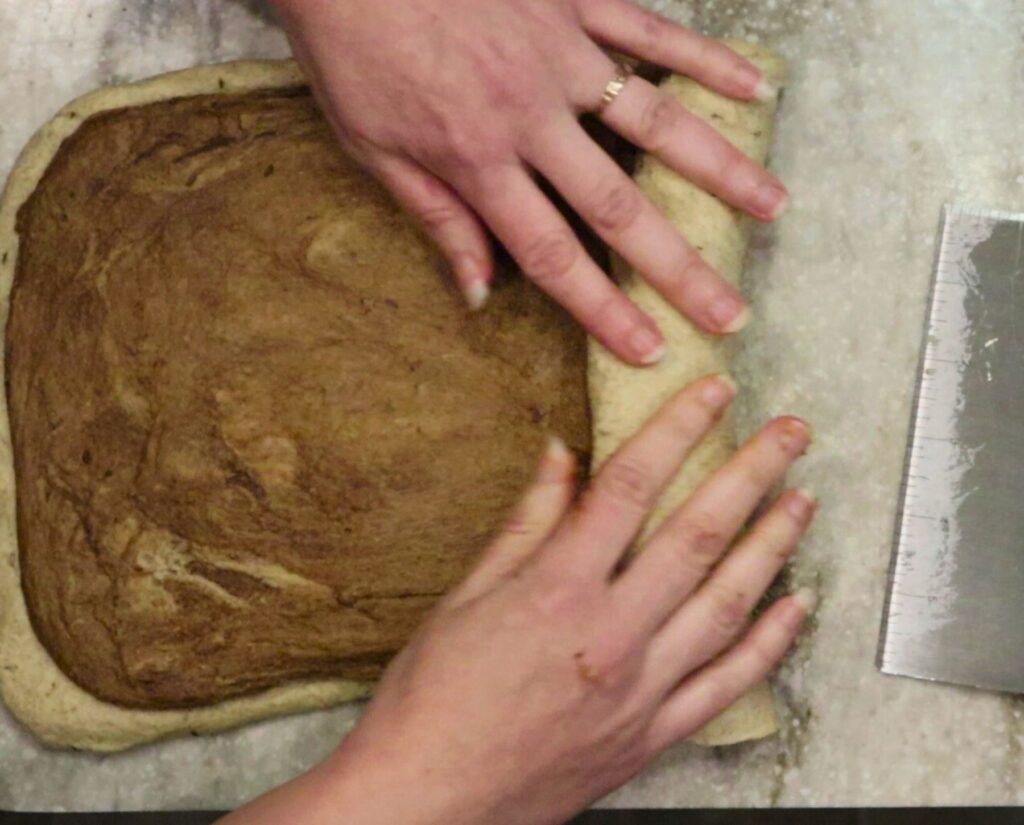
x,y
623,397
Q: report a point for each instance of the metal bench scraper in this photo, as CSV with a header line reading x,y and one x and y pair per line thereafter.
x,y
954,610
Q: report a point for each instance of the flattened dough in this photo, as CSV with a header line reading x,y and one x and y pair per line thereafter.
x,y
622,397
46,701
244,401
61,714
162,605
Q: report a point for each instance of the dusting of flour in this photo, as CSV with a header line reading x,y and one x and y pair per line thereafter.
x,y
893,109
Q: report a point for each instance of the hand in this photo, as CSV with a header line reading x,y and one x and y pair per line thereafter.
x,y
547,679
455,104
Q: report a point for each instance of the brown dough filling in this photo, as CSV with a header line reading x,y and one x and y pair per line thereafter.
x,y
256,432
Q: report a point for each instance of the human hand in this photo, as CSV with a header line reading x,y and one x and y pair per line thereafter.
x,y
552,675
455,104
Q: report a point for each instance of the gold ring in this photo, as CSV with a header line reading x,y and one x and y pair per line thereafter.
x,y
623,72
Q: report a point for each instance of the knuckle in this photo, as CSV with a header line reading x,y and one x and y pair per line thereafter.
x,y
617,207
433,193
729,609
518,525
779,537
437,216
507,76
733,168
464,151
557,599
720,685
550,260
688,423
619,654
655,29
504,91
763,655
454,145
758,475
627,482
707,51
658,122
733,63
702,543
691,265
609,312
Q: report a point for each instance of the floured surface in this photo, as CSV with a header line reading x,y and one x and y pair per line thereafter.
x,y
891,110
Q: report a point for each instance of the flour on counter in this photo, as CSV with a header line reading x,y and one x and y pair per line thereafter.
x,y
893,109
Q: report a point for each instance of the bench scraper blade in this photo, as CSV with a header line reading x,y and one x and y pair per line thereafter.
x,y
955,606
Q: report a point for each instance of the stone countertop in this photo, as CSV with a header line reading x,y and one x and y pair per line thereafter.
x,y
893,109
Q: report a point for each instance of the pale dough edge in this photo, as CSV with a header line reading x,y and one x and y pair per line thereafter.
x,y
56,710
623,397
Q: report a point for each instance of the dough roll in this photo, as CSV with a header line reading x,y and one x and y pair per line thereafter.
x,y
623,397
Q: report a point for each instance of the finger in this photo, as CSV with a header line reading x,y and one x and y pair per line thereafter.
x,y
534,518
447,219
628,485
548,252
715,617
658,123
690,542
607,199
645,34
711,690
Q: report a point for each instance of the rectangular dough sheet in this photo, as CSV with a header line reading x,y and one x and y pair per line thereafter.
x,y
61,714
34,689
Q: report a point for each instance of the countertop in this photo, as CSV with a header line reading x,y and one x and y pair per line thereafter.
x,y
894,109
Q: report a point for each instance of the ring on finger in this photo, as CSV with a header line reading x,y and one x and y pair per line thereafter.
x,y
623,72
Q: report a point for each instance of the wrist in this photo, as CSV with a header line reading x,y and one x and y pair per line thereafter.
x,y
387,784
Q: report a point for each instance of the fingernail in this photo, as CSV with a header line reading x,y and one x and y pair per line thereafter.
x,y
770,200
477,292
807,599
654,357
795,434
552,464
765,92
648,346
719,391
730,315
802,505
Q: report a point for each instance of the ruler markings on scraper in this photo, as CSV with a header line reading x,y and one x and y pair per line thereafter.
x,y
954,608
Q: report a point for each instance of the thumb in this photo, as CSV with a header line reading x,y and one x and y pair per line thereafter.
x,y
533,520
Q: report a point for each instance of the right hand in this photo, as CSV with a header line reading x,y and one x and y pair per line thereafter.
x,y
552,675
456,105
